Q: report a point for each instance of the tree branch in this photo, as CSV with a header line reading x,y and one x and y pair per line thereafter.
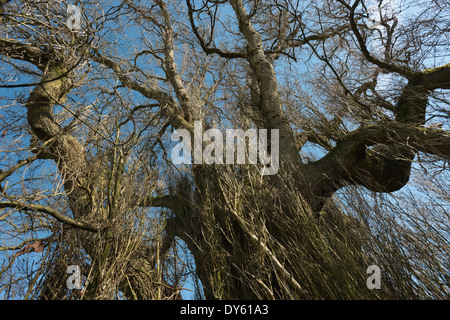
x,y
270,101
168,106
171,70
435,78
24,51
351,157
50,211
164,201
404,71
206,49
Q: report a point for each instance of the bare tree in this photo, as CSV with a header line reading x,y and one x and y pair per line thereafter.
x,y
94,92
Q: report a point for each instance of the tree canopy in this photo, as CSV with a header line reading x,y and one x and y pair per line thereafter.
x,y
355,93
